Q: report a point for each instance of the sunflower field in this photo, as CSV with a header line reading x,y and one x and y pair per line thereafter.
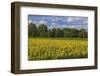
x,y
57,48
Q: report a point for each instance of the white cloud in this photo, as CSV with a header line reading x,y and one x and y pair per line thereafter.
x,y
30,21
70,19
63,26
42,22
85,22
77,27
43,18
55,19
73,26
35,22
53,23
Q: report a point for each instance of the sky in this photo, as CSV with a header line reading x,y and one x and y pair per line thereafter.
x,y
59,21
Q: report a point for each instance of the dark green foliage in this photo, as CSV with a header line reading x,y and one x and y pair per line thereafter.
x,y
32,30
82,33
59,33
43,31
52,33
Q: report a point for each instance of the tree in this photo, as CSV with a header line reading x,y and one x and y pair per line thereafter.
x,y
32,30
83,33
59,33
67,32
52,32
42,30
74,33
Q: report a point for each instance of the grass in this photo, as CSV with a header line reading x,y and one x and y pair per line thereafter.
x,y
57,48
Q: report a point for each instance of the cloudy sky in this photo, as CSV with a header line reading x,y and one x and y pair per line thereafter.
x,y
59,21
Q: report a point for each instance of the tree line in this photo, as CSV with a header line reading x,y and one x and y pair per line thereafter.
x,y
43,31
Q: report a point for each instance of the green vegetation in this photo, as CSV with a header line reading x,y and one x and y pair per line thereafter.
x,y
56,48
56,43
43,32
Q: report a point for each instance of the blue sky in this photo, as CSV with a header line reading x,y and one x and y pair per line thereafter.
x,y
59,21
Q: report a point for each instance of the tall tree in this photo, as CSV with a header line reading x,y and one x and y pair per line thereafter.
x,y
74,33
32,30
67,32
53,32
42,30
83,33
59,33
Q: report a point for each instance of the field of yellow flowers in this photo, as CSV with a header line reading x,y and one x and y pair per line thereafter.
x,y
53,48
